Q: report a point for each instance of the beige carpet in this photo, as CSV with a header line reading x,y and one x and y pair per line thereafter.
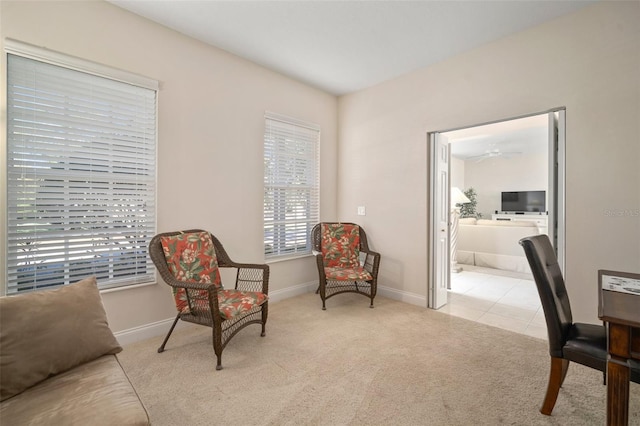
x,y
396,364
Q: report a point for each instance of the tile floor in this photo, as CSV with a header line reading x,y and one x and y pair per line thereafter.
x,y
498,298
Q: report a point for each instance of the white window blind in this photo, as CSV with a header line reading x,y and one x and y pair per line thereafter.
x,y
291,185
81,170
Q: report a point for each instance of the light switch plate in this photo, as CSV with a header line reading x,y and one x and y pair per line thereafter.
x,y
361,211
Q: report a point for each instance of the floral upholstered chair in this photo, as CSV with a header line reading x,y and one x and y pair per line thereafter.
x,y
189,262
345,263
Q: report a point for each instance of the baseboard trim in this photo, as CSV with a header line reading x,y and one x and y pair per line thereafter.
x,y
403,296
147,331
296,290
160,328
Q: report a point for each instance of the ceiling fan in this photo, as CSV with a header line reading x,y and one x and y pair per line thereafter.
x,y
493,153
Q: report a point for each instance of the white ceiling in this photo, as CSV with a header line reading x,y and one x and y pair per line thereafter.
x,y
345,46
506,139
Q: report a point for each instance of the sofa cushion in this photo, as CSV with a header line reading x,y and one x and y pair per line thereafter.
x,y
467,221
94,393
51,331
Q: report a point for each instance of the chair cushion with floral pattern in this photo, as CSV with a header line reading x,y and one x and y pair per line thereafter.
x,y
347,274
340,252
340,245
231,303
191,257
235,302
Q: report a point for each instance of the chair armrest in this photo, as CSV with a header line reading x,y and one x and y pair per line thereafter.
x,y
372,262
371,253
320,263
197,308
189,285
251,277
168,278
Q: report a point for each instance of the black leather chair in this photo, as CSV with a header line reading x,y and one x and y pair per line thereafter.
x,y
585,344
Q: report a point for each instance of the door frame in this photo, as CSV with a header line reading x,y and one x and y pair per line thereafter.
x,y
557,164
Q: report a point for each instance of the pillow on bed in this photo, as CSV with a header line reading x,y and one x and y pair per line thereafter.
x,y
51,331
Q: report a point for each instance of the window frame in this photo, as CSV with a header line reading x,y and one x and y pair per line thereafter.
x,y
299,228
130,277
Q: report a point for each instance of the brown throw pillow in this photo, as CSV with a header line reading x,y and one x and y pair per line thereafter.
x,y
50,331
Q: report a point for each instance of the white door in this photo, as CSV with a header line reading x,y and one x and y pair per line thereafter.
x,y
556,183
439,271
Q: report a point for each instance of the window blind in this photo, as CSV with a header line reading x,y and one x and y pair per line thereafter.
x,y
291,185
81,170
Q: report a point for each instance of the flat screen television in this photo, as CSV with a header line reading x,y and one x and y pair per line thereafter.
x,y
524,202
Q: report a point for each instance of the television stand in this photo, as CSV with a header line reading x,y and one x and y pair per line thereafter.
x,y
541,220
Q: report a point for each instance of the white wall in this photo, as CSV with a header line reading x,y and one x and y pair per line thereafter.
x,y
211,124
493,175
587,62
457,173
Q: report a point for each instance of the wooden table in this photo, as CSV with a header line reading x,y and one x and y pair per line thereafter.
x,y
621,311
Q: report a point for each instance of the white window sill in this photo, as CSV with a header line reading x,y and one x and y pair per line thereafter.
x,y
287,258
127,287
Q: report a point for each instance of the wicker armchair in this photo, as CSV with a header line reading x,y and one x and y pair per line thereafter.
x,y
189,262
345,263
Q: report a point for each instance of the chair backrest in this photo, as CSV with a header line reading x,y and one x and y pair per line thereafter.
x,y
187,256
339,243
551,289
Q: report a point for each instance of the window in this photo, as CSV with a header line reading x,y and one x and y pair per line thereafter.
x,y
291,185
81,167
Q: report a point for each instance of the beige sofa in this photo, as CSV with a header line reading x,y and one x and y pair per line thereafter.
x,y
58,364
494,243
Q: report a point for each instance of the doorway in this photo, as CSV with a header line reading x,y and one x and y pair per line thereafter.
x,y
487,143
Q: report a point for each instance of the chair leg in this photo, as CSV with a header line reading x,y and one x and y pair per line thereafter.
x,y
217,347
161,348
565,368
265,310
373,291
323,293
557,374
